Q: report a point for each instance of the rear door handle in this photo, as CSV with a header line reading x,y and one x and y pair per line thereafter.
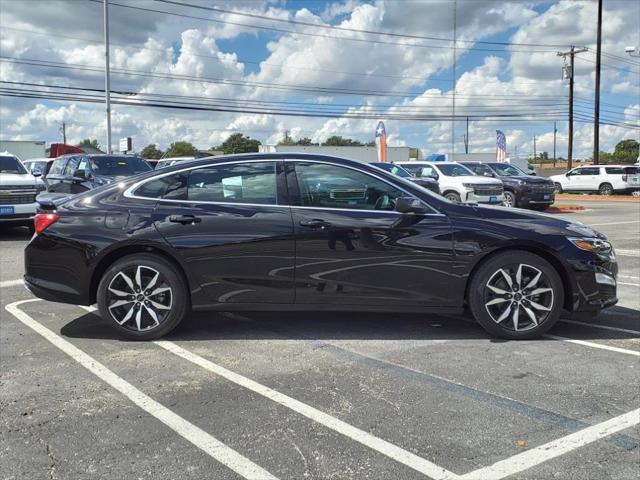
x,y
184,219
314,223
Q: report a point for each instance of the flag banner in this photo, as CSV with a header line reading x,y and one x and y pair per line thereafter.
x,y
501,147
381,142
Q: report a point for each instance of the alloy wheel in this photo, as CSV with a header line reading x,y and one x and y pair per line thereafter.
x,y
509,200
139,298
518,297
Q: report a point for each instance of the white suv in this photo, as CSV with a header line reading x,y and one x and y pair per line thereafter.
x,y
604,179
18,190
458,183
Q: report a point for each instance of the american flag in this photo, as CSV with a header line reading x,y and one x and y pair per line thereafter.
x,y
381,142
501,147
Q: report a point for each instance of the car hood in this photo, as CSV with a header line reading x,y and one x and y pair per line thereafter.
x,y
543,223
105,179
19,179
478,180
528,179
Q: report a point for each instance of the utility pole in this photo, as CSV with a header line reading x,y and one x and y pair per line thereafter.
x,y
568,73
466,138
555,130
63,129
535,153
596,107
107,83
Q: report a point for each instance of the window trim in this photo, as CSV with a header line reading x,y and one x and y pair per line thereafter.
x,y
128,193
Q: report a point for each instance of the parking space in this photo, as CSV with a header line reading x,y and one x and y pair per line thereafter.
x,y
319,396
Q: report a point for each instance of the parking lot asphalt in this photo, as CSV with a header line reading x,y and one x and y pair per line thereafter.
x,y
321,396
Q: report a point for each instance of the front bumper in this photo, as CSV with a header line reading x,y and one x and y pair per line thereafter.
x,y
537,198
595,282
487,199
22,213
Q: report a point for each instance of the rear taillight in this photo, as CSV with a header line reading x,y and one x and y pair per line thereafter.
x,y
43,220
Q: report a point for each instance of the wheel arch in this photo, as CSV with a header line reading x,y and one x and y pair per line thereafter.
x,y
556,263
451,190
124,250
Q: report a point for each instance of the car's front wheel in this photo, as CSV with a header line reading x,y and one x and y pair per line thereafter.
x,y
143,297
516,295
558,187
452,197
509,199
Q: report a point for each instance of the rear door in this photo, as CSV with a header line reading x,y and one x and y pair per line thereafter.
x,y
55,176
232,226
353,248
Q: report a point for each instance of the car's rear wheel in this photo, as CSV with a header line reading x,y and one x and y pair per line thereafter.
x,y
558,187
606,189
452,197
516,295
509,199
143,297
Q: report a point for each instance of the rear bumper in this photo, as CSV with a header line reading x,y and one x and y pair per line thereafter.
x,y
54,292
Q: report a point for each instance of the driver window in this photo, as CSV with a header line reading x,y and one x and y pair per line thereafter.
x,y
333,186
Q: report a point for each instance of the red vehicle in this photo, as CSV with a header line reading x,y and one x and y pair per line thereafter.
x,y
59,149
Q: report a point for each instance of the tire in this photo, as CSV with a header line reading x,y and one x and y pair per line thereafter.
x,y
606,189
144,315
500,318
510,199
452,197
558,187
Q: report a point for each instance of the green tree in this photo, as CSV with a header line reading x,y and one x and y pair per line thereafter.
x,y
626,151
87,142
238,143
372,143
338,141
181,149
151,151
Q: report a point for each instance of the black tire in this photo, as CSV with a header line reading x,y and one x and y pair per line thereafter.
x,y
170,307
480,296
558,187
510,199
606,189
452,197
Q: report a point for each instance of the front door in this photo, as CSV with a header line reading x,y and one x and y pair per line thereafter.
x,y
353,248
232,228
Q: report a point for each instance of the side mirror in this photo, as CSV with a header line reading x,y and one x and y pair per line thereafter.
x,y
533,174
409,205
80,174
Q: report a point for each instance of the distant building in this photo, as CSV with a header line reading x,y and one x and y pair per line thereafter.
x,y
360,154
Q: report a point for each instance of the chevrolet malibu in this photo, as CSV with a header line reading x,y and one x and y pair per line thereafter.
x,y
274,232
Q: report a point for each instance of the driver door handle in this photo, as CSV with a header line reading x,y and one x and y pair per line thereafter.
x,y
314,223
184,219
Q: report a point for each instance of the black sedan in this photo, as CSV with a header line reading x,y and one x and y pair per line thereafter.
x,y
426,182
308,232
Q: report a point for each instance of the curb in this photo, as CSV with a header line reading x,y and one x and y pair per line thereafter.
x,y
598,198
567,209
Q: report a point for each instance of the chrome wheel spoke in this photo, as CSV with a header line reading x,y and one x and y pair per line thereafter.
x,y
158,291
497,290
159,306
495,301
119,293
127,280
153,315
139,277
139,319
120,303
534,281
539,291
537,306
519,276
532,315
127,316
507,278
152,282
515,317
505,314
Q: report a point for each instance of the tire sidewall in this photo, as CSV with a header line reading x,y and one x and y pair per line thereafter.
x,y
455,197
512,196
484,273
608,187
180,305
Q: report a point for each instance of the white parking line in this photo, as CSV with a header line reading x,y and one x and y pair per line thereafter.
x,y
603,327
555,448
365,438
627,252
613,223
629,284
594,345
198,437
11,283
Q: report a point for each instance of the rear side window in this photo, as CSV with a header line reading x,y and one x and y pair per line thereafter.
x,y
72,166
170,187
236,183
614,170
58,166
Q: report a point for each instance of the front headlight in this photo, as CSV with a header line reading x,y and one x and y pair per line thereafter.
x,y
469,185
595,245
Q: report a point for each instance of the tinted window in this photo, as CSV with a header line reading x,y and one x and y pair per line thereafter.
x,y
631,170
171,187
479,169
238,183
113,166
454,170
614,170
332,186
504,169
58,166
586,171
394,169
72,166
10,164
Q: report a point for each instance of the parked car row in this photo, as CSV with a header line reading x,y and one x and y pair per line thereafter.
x,y
18,191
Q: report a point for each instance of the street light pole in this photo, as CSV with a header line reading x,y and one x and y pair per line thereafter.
x,y
107,82
596,107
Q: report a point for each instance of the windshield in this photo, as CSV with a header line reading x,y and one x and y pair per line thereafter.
x,y
504,169
454,170
116,166
10,164
395,169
